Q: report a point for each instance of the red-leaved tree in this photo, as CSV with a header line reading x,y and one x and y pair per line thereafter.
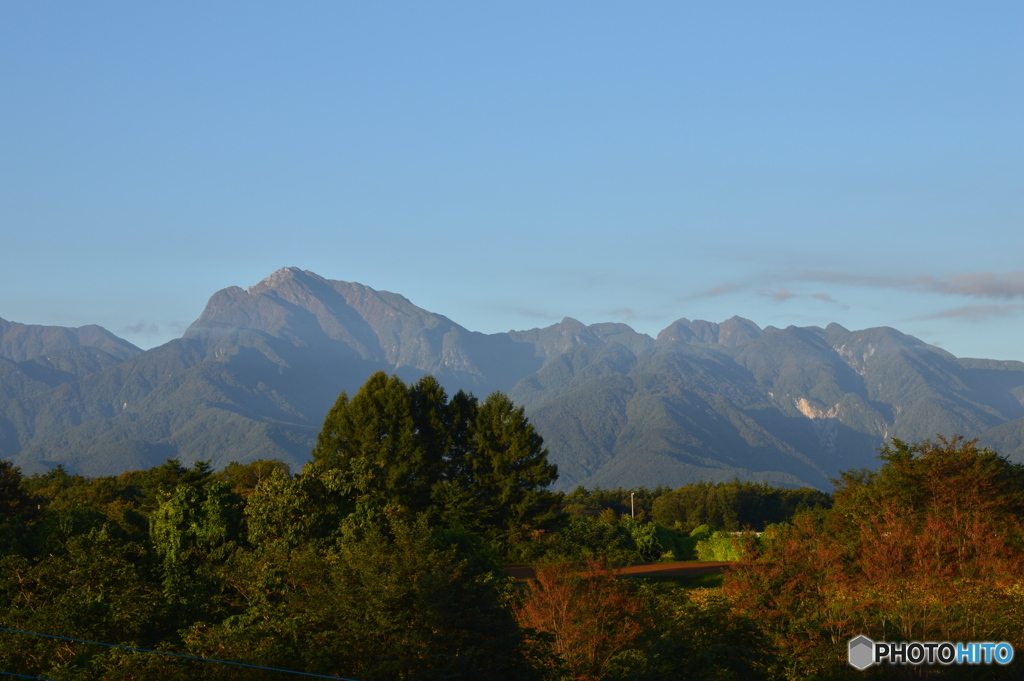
x,y
582,617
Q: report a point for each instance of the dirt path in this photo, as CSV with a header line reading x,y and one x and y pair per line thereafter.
x,y
524,572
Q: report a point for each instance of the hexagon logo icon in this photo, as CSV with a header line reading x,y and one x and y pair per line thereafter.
x,y
862,652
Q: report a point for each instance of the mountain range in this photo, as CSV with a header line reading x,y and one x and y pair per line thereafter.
x,y
255,374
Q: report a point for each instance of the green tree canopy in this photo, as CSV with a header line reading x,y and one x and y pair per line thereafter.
x,y
481,466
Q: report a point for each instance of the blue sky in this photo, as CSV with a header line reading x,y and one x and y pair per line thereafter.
x,y
792,163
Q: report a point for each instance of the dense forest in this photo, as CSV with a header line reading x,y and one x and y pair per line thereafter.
x,y
383,559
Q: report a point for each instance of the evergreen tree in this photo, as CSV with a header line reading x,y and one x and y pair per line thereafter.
x,y
505,471
385,443
480,466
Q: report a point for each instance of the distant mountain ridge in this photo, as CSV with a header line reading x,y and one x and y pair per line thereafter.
x,y
254,376
20,342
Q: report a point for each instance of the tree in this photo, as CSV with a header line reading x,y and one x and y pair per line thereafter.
x,y
193,532
386,443
930,547
507,472
403,600
92,585
584,618
697,634
15,506
480,466
244,478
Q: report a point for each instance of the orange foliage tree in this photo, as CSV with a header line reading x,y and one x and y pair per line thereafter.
x,y
930,547
582,619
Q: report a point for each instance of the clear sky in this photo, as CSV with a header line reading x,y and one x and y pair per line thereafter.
x,y
508,164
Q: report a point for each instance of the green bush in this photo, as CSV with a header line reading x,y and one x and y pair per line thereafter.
x,y
584,537
673,547
721,546
644,536
701,532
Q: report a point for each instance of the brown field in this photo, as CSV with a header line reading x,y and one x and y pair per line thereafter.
x,y
682,569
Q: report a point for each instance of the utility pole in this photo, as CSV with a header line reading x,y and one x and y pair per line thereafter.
x,y
631,513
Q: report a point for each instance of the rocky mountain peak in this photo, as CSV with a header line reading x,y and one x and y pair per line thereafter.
x,y
733,332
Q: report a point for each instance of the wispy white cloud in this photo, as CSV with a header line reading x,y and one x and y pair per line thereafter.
x,y
628,314
718,291
979,313
829,299
780,295
985,285
992,285
530,313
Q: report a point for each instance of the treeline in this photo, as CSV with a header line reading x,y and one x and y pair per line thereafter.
x,y
256,566
382,559
734,506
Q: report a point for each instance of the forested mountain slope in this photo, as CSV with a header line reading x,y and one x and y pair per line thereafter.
x,y
254,376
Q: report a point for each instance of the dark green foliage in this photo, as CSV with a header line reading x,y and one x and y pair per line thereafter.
x,y
16,508
583,537
402,601
690,514
479,466
85,570
733,506
13,499
698,636
244,478
590,502
375,443
672,544
645,537
451,592
97,588
157,484
286,513
193,533
509,470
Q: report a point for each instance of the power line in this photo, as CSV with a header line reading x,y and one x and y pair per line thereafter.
x,y
159,652
24,676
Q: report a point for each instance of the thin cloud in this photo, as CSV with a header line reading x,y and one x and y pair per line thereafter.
x,y
984,285
979,313
780,295
829,299
628,314
1009,285
717,291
